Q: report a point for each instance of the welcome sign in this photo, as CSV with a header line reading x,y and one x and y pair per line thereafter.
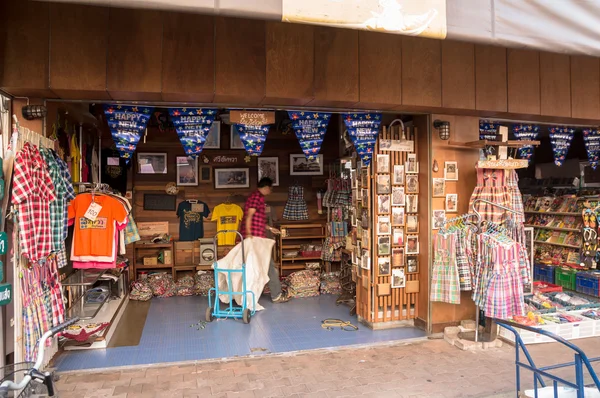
x,y
126,124
310,129
192,126
363,129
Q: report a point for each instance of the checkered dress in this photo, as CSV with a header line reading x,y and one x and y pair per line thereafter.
x,y
445,281
462,261
295,207
516,199
491,187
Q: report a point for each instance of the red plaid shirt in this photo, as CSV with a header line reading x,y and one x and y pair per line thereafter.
x,y
259,220
32,192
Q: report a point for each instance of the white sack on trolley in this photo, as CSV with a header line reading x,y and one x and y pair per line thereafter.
x,y
258,258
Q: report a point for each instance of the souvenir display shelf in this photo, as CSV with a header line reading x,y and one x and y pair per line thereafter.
x,y
141,250
293,238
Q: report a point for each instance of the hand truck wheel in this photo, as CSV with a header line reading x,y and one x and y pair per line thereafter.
x,y
246,315
209,315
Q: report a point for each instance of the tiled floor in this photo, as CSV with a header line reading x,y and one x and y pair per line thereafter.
x,y
171,334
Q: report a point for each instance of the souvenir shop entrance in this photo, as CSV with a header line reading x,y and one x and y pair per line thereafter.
x,y
348,249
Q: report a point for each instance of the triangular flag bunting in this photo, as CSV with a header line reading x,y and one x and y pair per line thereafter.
x,y
192,126
526,132
488,130
591,138
561,138
310,128
253,137
363,129
126,124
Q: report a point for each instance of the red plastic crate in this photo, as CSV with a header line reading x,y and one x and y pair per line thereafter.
x,y
544,287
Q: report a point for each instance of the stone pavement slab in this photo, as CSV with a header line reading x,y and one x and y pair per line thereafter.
x,y
429,368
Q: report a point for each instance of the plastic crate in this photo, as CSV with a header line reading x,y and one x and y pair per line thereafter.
x,y
577,330
595,321
545,287
530,337
543,273
587,283
569,307
565,277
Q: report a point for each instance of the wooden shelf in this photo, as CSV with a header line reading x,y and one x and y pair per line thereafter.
x,y
551,213
292,267
309,233
300,258
554,228
157,266
484,143
556,244
303,237
141,246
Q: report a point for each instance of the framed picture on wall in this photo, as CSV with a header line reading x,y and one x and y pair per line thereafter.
x,y
398,174
213,139
235,142
439,187
398,196
269,167
383,226
398,278
383,204
439,218
397,237
398,216
383,245
451,203
383,163
412,203
365,262
384,266
205,174
383,184
364,178
412,224
301,166
412,183
187,171
412,244
451,171
232,178
152,163
412,166
397,257
412,265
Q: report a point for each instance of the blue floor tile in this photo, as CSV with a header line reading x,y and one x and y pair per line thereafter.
x,y
168,337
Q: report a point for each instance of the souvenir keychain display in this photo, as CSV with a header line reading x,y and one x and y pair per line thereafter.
x,y
589,252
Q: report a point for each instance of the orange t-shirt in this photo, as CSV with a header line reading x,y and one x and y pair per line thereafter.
x,y
95,238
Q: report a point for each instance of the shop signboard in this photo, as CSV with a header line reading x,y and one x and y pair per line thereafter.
x,y
5,294
426,18
397,145
252,118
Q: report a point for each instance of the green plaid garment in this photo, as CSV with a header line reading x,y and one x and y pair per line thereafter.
x,y
445,282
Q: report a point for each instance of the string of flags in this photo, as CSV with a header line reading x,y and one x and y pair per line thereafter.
x,y
310,129
363,129
526,132
488,130
591,139
192,126
560,138
126,124
253,137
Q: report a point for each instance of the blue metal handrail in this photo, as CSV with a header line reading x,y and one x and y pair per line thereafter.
x,y
580,361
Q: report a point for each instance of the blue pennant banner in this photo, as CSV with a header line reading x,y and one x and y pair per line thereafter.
x,y
192,126
561,138
126,124
488,130
310,128
363,129
526,132
253,137
591,138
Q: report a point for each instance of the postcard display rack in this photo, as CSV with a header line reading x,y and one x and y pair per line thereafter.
x,y
385,289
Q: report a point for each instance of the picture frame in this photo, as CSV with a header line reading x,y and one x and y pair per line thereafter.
x,y
384,267
269,167
353,179
383,184
412,204
365,262
364,177
383,163
398,278
152,163
397,257
412,183
398,175
205,174
213,139
412,224
383,225
383,204
451,171
383,245
438,219
398,216
364,218
411,166
301,166
439,187
397,237
187,171
365,197
398,196
451,203
365,238
235,141
412,244
232,178
412,265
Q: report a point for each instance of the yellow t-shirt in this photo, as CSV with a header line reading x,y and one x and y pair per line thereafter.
x,y
228,217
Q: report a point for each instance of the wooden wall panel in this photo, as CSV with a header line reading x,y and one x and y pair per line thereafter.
x,y
421,72
290,63
555,84
380,69
490,79
188,57
336,67
240,61
24,32
78,48
524,82
458,75
134,54
585,87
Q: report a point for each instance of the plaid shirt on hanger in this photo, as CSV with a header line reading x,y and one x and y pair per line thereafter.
x,y
32,193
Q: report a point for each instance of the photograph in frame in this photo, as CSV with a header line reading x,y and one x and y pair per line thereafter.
x,y
187,171
232,178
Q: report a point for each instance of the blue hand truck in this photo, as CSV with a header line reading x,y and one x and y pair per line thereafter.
x,y
231,311
581,362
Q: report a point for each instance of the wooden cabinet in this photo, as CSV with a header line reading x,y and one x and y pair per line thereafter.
x,y
151,250
293,239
